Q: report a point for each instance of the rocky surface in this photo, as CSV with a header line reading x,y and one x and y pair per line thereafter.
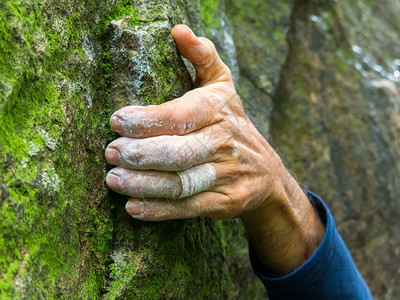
x,y
65,67
319,78
145,63
336,124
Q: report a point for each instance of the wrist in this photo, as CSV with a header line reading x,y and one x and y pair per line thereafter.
x,y
284,229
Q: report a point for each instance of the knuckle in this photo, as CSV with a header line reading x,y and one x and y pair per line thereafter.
x,y
231,213
227,209
214,102
191,208
134,157
226,141
237,202
206,40
182,157
197,209
169,210
182,122
225,73
211,50
222,100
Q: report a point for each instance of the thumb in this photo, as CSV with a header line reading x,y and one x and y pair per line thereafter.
x,y
203,55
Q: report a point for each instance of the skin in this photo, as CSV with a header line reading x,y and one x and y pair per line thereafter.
x,y
208,128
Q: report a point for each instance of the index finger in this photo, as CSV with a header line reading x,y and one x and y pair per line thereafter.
x,y
181,116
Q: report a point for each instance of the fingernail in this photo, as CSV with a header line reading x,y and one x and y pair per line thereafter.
x,y
113,156
115,124
113,181
134,208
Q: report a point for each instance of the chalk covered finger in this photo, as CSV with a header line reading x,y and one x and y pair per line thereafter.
x,y
202,204
181,116
144,184
165,153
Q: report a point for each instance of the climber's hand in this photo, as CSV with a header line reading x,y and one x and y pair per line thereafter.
x,y
198,155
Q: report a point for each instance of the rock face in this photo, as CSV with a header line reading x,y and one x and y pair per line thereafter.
x,y
145,63
319,78
65,67
336,124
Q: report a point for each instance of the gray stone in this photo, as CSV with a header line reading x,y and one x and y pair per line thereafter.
x,y
146,65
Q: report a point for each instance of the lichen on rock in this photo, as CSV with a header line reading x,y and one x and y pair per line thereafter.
x,y
147,68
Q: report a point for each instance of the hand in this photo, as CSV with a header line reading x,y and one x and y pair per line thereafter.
x,y
200,147
200,155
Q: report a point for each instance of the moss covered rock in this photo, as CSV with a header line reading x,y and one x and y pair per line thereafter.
x,y
65,66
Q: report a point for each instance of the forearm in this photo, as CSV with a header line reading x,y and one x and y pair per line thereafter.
x,y
330,273
286,230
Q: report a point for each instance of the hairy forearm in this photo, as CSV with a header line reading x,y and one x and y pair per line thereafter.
x,y
286,230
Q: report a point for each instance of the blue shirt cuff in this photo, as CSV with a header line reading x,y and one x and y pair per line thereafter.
x,y
329,273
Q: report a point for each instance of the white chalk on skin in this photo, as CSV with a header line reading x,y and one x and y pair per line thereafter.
x,y
197,179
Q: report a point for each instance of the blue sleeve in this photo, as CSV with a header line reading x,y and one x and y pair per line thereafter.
x,y
330,273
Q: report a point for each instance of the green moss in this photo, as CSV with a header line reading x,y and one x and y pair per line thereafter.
x,y
165,70
43,127
15,44
209,10
177,252
57,221
125,8
50,188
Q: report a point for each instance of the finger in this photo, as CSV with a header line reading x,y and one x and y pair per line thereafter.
x,y
203,55
172,185
207,204
144,184
166,153
189,113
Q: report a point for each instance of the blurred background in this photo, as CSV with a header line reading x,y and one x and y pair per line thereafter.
x,y
330,72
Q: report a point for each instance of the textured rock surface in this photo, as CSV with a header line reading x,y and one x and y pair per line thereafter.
x,y
145,64
65,66
320,77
